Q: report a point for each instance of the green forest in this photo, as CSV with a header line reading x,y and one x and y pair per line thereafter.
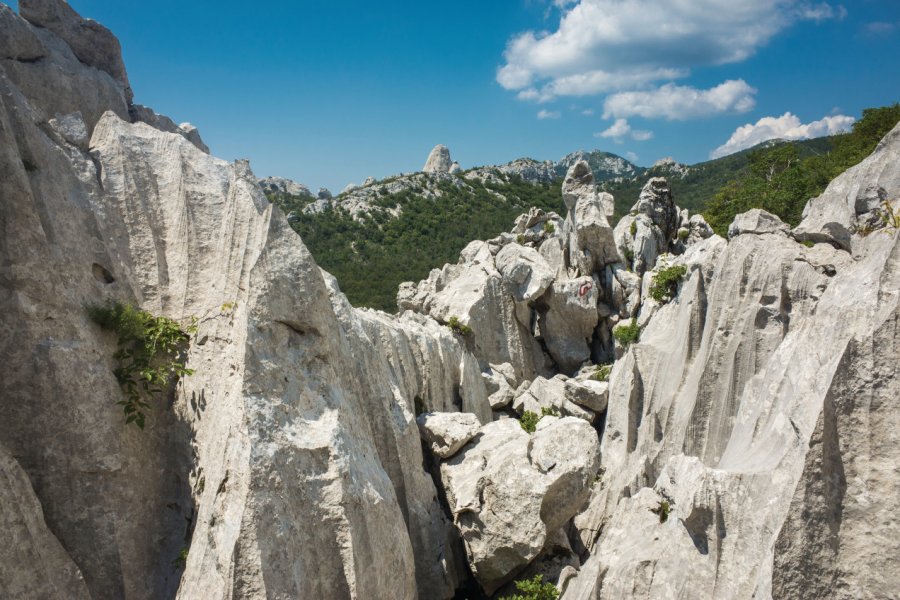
x,y
371,256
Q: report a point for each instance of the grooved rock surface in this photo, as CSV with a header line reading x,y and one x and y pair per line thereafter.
x,y
33,564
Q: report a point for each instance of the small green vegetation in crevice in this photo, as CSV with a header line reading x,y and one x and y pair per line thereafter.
x,y
150,353
627,334
890,218
529,421
549,227
665,282
808,243
663,510
549,411
534,589
602,373
684,234
520,239
633,229
457,327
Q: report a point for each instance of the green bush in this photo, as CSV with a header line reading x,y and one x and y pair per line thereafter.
x,y
520,239
627,334
629,255
633,229
890,219
663,510
684,234
549,411
458,328
808,243
529,421
534,589
602,373
150,352
665,282
549,227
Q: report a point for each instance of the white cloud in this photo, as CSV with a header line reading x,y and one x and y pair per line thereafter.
x,y
603,46
547,114
786,127
621,129
880,28
631,156
588,112
676,103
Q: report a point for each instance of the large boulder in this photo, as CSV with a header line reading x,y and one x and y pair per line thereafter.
x,y
525,271
509,491
568,320
594,244
446,433
556,394
757,221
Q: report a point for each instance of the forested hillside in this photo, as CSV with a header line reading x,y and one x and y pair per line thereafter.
x,y
372,254
782,178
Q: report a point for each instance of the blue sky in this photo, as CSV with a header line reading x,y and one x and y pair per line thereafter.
x,y
328,93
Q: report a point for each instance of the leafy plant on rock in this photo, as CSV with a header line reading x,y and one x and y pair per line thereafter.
x,y
549,411
602,373
534,589
457,327
627,334
663,510
150,354
633,229
549,227
890,218
665,282
529,421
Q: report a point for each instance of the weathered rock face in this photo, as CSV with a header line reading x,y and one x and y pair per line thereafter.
x,y
509,490
439,160
289,464
726,409
757,221
446,433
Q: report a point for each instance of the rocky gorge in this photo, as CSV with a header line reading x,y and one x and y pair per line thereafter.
x,y
640,409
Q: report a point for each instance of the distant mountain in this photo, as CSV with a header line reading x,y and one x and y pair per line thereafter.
x,y
375,236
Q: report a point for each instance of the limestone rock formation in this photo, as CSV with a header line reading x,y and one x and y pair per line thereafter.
x,y
438,160
748,436
280,185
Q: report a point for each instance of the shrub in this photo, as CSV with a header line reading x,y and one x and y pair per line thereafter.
x,y
665,282
549,227
458,328
150,352
628,253
633,229
627,334
529,421
534,589
684,234
602,373
520,239
549,411
808,243
663,510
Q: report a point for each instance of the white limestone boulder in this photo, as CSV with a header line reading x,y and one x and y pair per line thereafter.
x,y
446,433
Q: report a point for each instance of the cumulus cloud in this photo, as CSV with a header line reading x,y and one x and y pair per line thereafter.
x,y
677,102
631,156
547,114
622,129
603,46
880,28
786,127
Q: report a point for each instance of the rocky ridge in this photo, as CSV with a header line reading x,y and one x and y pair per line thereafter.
x,y
742,446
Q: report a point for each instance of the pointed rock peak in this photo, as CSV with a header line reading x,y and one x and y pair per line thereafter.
x,y
439,160
580,174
